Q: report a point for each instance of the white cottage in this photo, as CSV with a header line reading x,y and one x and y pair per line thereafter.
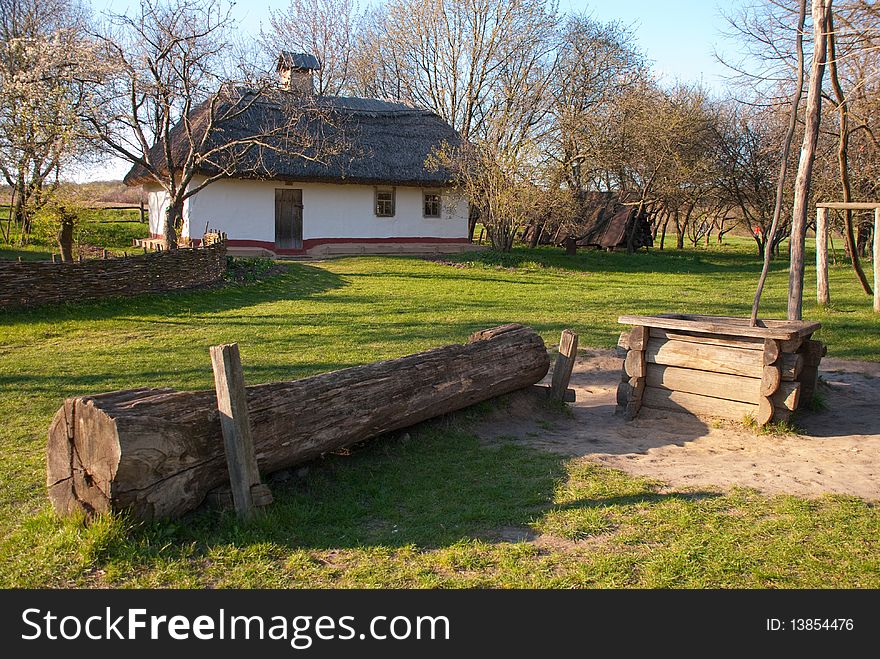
x,y
377,198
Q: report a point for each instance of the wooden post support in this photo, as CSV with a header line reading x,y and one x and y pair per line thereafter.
x,y
822,295
568,344
638,338
877,260
244,476
632,387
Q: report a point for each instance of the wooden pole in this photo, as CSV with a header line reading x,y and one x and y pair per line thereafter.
x,y
877,260
822,295
568,344
235,425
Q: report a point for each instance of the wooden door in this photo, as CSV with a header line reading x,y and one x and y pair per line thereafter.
x,y
288,218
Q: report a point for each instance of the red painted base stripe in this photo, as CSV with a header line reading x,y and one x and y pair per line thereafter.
x,y
309,243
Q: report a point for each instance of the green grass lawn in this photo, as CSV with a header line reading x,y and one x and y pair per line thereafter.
x,y
437,510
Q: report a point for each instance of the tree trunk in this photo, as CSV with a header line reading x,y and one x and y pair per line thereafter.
x,y
65,236
821,11
842,157
18,218
158,452
863,238
473,216
535,237
663,230
173,213
767,250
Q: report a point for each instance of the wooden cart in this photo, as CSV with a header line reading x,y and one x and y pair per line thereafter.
x,y
718,366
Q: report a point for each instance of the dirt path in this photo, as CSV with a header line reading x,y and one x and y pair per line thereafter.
x,y
839,451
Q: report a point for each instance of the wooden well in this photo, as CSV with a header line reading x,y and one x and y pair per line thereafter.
x,y
718,366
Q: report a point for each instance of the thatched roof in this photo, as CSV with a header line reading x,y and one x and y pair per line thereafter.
x,y
611,228
387,142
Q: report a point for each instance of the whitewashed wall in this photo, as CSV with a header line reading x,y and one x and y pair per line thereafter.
x,y
157,200
245,210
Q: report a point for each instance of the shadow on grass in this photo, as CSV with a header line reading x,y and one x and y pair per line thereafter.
x,y
299,282
33,254
670,261
430,487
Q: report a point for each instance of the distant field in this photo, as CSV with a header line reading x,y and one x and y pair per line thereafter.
x,y
431,511
109,228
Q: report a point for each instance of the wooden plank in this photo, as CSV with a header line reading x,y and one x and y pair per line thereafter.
x,y
792,345
791,366
707,383
634,364
809,379
849,205
719,385
812,352
705,357
766,329
235,426
679,401
822,295
718,359
745,342
568,343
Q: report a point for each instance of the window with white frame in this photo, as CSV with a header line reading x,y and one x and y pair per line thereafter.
x,y
431,203
384,202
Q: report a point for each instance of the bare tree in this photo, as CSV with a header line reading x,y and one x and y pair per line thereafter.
x,y
323,28
599,65
843,115
453,56
749,162
183,116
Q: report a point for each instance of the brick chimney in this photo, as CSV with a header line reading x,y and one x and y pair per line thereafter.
x,y
296,71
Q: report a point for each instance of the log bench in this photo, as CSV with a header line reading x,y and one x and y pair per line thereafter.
x,y
718,366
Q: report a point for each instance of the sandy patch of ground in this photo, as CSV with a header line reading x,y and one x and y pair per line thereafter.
x,y
838,452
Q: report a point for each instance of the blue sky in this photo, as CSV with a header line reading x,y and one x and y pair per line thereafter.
x,y
678,36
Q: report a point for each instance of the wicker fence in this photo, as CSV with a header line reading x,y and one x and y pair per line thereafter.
x,y
40,282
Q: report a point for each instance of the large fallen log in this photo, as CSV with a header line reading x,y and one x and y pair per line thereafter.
x,y
157,453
